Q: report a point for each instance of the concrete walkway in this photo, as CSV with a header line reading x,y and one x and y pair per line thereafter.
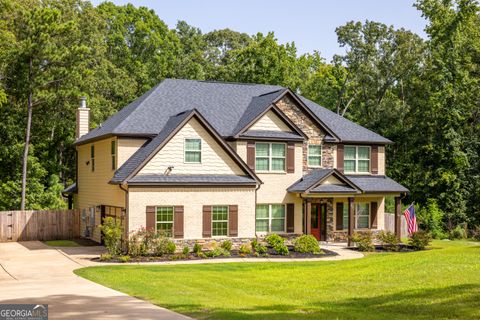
x,y
32,272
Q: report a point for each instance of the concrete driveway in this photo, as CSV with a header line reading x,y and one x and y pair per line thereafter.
x,y
32,272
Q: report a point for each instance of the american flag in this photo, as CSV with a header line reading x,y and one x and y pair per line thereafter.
x,y
411,218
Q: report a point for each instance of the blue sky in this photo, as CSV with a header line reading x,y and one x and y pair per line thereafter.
x,y
310,24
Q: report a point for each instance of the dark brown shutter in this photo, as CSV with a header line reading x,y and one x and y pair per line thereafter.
x,y
290,157
290,217
150,224
340,158
373,215
374,159
207,221
233,221
251,154
339,215
178,222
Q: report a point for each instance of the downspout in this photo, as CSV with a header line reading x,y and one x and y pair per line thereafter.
x,y
126,213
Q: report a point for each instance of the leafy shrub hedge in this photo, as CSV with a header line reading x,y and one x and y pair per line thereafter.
x,y
274,239
306,244
420,240
389,240
227,245
244,249
259,248
112,233
364,241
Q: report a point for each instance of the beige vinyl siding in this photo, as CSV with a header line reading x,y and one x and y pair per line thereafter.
x,y
380,199
214,160
93,187
83,121
381,160
126,147
270,122
274,187
193,199
332,180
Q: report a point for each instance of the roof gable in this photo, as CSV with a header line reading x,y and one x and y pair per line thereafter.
x,y
270,122
141,158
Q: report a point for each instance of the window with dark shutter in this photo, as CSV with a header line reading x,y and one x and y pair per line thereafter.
x,y
207,221
373,215
251,154
374,159
290,217
339,216
150,218
233,220
178,222
340,158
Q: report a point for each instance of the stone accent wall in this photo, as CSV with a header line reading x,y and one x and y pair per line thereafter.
x,y
330,224
342,236
314,133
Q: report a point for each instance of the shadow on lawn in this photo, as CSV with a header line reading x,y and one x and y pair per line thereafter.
x,y
454,302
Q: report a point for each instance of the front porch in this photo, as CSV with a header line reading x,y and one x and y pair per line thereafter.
x,y
337,205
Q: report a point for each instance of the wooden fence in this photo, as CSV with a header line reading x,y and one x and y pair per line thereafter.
x,y
390,224
39,225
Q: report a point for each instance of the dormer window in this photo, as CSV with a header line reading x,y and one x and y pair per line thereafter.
x,y
357,159
314,156
193,151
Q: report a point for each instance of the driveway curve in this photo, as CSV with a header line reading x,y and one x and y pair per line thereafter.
x,y
32,272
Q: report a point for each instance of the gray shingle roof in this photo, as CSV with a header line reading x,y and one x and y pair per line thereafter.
x,y
369,184
272,135
334,188
142,153
307,181
226,106
204,179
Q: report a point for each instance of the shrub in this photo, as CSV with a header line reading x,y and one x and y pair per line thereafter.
x,y
135,247
197,248
430,219
389,240
186,250
258,247
420,240
171,247
274,239
106,257
163,246
476,233
306,244
112,234
124,259
244,249
364,241
458,233
214,253
227,245
281,248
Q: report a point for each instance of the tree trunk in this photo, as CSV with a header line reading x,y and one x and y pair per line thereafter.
x,y
27,142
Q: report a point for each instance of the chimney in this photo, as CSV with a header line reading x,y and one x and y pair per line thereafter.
x,y
83,118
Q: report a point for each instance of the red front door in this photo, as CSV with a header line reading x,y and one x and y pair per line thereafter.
x,y
319,221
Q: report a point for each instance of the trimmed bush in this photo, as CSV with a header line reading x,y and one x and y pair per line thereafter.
x,y
124,258
274,239
364,241
227,245
258,247
244,249
163,246
171,247
112,233
420,240
186,250
197,248
106,257
306,244
281,248
389,240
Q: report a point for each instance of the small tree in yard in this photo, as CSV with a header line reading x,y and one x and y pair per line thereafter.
x,y
112,233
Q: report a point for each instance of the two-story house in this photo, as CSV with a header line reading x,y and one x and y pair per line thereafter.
x,y
203,159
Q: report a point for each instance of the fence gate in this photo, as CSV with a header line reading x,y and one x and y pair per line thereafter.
x,y
39,225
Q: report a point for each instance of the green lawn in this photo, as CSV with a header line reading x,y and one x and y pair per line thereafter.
x,y
442,283
61,243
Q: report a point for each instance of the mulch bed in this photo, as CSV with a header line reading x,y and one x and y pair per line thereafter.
x,y
233,254
381,248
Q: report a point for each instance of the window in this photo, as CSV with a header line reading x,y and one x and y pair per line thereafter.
x,y
219,221
113,152
165,220
357,159
362,215
270,218
345,215
92,157
193,150
270,156
314,155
